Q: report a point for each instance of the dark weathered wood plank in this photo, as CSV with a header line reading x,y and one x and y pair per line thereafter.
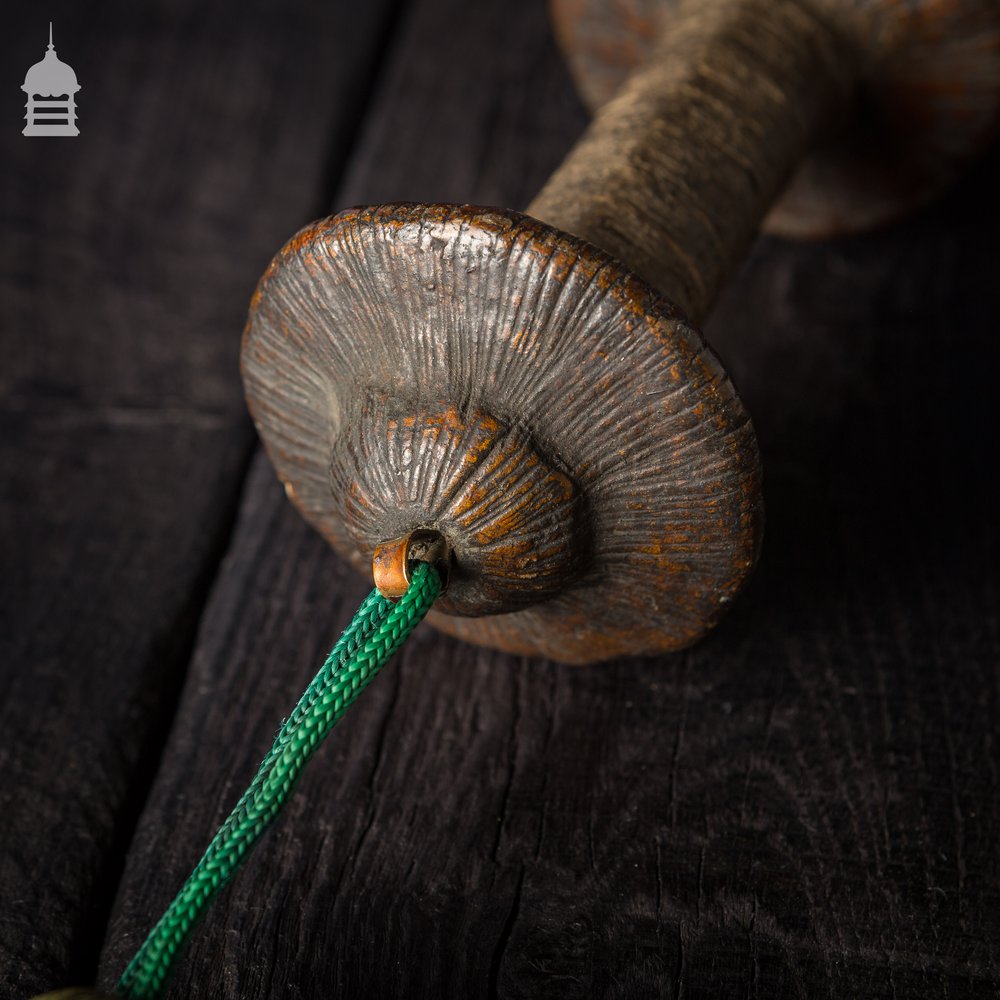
x,y
803,805
128,258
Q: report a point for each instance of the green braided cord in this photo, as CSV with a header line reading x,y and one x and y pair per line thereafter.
x,y
377,631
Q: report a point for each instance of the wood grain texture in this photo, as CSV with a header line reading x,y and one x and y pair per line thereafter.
x,y
805,805
127,260
73,994
478,372
923,78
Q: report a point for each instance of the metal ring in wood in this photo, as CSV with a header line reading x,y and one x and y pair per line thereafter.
x,y
391,563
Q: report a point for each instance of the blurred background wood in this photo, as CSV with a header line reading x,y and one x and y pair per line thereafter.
x,y
805,804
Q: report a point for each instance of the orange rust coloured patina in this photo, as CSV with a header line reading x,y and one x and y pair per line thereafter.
x,y
531,387
390,569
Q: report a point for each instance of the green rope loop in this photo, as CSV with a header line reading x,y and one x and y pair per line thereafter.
x,y
378,629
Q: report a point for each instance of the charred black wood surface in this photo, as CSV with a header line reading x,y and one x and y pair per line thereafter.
x,y
128,257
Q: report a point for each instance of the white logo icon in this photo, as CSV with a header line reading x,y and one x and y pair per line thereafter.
x,y
51,86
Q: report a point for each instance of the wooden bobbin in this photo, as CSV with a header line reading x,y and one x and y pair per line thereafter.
x,y
519,384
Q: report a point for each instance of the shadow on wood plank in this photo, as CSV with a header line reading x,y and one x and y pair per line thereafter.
x,y
129,257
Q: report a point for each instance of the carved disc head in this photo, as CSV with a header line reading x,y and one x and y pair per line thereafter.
x,y
480,373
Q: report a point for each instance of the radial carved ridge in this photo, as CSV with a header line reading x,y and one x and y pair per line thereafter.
x,y
477,371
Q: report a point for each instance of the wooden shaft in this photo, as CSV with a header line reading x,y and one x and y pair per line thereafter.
x,y
676,172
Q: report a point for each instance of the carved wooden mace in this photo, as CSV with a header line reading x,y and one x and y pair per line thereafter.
x,y
529,388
